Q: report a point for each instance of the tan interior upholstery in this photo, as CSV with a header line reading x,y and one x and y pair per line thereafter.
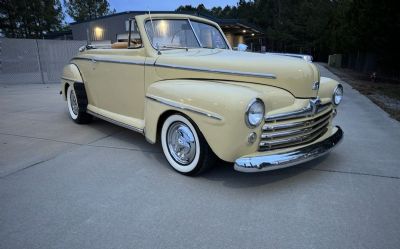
x,y
119,45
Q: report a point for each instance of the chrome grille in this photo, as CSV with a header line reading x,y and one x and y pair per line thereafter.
x,y
295,128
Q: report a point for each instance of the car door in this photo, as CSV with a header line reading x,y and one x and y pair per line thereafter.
x,y
116,84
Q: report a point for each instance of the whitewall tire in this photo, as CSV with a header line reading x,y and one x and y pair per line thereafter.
x,y
77,103
184,146
72,103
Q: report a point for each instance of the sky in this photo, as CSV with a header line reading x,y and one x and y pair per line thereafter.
x,y
124,5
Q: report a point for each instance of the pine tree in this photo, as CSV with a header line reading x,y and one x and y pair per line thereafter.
x,y
83,10
30,18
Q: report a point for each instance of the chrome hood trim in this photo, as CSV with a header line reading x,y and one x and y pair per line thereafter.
x,y
294,75
221,71
286,159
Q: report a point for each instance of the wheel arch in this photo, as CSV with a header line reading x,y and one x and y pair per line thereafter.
x,y
219,120
70,75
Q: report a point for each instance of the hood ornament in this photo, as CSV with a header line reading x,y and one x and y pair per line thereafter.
x,y
315,85
314,104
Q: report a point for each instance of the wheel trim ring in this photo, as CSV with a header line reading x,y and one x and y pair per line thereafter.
x,y
74,102
70,91
181,138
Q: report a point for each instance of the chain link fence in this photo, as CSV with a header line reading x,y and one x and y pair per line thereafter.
x,y
35,61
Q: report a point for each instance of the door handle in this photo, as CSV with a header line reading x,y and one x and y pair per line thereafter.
x,y
93,64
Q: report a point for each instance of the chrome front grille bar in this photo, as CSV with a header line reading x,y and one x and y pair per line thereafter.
x,y
305,131
276,144
297,127
307,111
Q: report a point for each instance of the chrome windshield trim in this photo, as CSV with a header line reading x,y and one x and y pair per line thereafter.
x,y
220,71
130,127
194,32
184,107
228,46
111,60
266,162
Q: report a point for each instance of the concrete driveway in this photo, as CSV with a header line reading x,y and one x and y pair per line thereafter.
x,y
64,185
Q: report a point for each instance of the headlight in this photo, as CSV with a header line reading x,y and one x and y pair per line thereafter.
x,y
255,113
337,95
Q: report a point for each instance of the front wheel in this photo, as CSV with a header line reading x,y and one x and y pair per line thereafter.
x,y
184,146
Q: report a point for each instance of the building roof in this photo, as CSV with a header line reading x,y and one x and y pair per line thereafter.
x,y
225,23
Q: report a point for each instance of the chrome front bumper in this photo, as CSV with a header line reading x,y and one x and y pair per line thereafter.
x,y
283,160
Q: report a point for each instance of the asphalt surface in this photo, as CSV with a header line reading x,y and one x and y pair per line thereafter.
x,y
64,185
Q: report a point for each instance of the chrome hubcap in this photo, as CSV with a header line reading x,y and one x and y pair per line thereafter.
x,y
74,103
181,143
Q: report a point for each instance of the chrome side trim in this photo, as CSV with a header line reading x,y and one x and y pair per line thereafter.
x,y
69,79
286,159
110,60
219,71
183,107
130,127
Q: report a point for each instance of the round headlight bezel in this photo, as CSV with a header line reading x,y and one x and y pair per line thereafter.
x,y
248,110
338,89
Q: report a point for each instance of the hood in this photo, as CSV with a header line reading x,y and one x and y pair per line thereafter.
x,y
292,74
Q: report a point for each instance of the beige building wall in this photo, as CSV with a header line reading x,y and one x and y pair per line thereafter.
x,y
234,40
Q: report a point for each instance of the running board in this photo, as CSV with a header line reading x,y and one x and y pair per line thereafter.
x,y
130,127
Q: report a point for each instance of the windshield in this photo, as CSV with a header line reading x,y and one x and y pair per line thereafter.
x,y
180,34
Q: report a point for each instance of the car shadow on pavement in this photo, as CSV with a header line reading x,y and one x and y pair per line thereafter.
x,y
225,173
221,172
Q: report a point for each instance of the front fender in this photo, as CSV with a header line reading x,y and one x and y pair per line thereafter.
x,y
326,88
217,108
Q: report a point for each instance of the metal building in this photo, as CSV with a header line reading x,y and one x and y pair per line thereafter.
x,y
111,28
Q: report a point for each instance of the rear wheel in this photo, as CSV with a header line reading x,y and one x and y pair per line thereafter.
x,y
184,147
77,102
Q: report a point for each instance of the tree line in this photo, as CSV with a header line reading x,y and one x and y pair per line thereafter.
x,y
322,27
36,18
317,27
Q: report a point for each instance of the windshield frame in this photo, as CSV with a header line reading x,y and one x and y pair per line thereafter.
x,y
228,47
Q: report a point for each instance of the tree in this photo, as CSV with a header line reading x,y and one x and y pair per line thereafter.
x,y
83,10
30,18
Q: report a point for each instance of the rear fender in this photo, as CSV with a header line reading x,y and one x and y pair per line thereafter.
x,y
70,75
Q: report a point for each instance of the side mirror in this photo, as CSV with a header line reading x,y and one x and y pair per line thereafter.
x,y
242,47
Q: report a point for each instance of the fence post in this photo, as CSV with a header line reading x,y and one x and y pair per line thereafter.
x,y
39,63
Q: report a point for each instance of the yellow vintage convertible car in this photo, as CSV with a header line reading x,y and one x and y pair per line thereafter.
x,y
178,81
